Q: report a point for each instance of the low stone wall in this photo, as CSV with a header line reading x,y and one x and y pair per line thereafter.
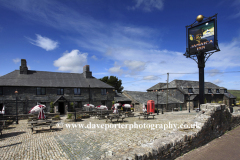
x,y
214,121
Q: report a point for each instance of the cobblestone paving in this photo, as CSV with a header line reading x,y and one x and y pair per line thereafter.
x,y
18,142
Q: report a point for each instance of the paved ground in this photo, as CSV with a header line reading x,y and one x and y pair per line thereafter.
x,y
18,142
223,148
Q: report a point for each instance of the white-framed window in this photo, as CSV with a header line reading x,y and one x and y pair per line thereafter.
x,y
77,91
103,91
41,91
209,90
225,90
190,90
60,91
217,91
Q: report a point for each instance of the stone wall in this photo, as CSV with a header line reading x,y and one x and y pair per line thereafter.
x,y
214,119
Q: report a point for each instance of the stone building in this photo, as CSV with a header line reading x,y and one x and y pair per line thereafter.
x,y
44,87
161,100
188,91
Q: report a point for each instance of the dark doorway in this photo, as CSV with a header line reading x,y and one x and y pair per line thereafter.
x,y
61,107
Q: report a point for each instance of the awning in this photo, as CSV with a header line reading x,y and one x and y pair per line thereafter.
x,y
60,98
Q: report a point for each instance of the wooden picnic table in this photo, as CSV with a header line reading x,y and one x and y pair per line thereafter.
x,y
146,115
114,116
129,114
41,123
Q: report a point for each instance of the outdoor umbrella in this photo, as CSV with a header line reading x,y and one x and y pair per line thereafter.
x,y
144,108
38,109
115,111
117,104
127,105
3,110
102,107
89,105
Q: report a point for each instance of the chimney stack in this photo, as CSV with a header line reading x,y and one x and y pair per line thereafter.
x,y
23,67
86,72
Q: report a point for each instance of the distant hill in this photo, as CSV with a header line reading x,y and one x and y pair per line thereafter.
x,y
235,93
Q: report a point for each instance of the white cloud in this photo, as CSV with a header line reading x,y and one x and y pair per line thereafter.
x,y
16,60
94,57
71,62
148,5
217,81
213,72
44,43
116,69
135,65
228,57
150,78
29,67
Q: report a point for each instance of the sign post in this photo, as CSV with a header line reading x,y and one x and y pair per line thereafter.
x,y
201,43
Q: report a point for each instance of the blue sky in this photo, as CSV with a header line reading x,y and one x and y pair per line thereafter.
x,y
139,41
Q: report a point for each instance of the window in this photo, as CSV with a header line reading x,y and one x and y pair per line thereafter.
x,y
103,91
41,91
209,91
190,90
217,91
1,90
77,91
60,91
225,91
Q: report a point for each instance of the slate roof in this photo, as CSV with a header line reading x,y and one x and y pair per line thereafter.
x,y
50,79
190,84
143,97
120,97
183,85
157,86
229,95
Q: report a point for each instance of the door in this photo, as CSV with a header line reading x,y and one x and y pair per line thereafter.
x,y
61,108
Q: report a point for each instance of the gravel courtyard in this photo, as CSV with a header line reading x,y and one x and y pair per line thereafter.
x,y
70,141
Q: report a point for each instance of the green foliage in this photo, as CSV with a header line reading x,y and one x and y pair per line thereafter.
x,y
113,81
113,102
79,116
205,101
236,93
220,102
69,116
57,117
51,107
71,108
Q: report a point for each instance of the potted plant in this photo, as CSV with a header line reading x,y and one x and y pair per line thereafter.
x,y
57,117
51,107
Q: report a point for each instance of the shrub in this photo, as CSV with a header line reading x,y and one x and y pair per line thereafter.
x,y
69,116
220,102
79,117
57,117
51,107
